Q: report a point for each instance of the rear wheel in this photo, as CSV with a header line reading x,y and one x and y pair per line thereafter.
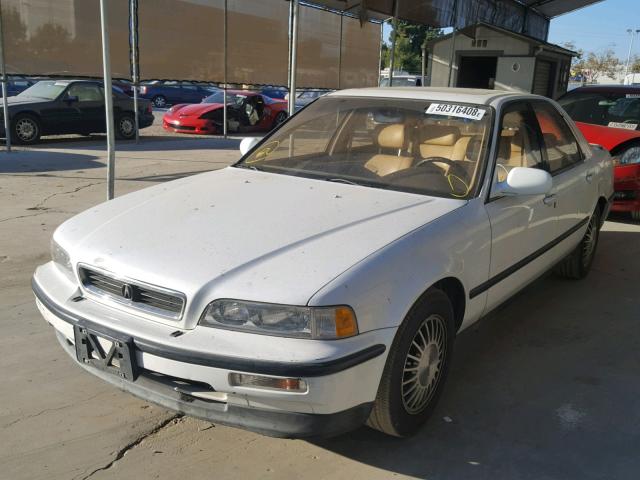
x,y
25,129
578,263
416,367
125,127
159,101
281,117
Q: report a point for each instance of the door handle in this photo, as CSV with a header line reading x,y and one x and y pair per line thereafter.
x,y
589,177
549,200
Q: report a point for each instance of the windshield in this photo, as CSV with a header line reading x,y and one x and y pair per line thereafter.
x,y
48,90
219,98
419,146
611,109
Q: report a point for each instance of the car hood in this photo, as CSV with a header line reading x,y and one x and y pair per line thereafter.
x,y
22,100
237,233
196,109
608,137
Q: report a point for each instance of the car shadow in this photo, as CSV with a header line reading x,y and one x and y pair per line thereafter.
x,y
147,143
44,161
547,386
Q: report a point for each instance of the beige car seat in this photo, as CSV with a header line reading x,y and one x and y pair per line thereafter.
x,y
390,137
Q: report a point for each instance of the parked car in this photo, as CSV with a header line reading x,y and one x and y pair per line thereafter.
x,y
275,92
402,81
124,85
246,112
609,115
320,282
16,84
55,107
305,97
163,94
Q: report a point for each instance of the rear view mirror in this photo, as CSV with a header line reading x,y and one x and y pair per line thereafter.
x,y
526,181
247,144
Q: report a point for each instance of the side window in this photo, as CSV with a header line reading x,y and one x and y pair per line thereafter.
x,y
85,93
560,144
518,144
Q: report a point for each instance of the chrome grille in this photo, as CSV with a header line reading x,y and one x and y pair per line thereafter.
x,y
132,293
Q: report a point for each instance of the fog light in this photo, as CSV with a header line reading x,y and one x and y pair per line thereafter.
x,y
267,383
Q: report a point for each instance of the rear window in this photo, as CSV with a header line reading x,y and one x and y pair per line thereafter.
x,y
610,109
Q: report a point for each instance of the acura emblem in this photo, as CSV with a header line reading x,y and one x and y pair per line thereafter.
x,y
127,291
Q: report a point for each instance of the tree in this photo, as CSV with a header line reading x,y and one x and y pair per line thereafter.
x,y
634,66
408,55
595,65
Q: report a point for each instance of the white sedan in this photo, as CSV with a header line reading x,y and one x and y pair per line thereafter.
x,y
318,284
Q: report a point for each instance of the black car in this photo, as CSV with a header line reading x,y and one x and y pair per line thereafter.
x,y
15,85
55,107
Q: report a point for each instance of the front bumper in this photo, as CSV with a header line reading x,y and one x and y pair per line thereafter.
x,y
194,127
627,188
340,395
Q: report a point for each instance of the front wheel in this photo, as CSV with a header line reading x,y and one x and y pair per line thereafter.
x,y
25,129
416,368
578,263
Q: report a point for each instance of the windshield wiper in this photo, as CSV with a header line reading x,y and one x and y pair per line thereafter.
x,y
343,180
250,167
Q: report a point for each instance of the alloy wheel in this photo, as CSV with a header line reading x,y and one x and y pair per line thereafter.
x,y
127,126
26,129
424,364
589,242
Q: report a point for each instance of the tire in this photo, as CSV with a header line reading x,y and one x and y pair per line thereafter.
x,y
635,216
280,118
25,129
398,410
125,127
578,263
159,101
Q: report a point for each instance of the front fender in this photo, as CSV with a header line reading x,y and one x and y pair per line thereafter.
x,y
383,287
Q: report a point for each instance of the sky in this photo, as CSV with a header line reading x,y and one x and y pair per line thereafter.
x,y
595,28
599,27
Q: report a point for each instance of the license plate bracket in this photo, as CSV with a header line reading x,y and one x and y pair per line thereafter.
x,y
105,352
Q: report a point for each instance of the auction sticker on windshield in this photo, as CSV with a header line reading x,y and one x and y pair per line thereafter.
x,y
453,110
626,126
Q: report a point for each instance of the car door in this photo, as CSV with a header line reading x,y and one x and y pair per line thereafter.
x,y
87,101
572,193
521,226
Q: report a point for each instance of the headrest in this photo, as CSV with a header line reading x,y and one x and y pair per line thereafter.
x,y
441,135
473,148
392,136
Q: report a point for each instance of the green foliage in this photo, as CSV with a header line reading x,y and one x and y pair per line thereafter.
x,y
408,55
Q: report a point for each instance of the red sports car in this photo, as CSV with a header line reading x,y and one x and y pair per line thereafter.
x,y
246,112
609,115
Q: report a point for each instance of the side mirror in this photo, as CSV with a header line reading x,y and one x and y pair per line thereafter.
x,y
71,99
526,181
247,144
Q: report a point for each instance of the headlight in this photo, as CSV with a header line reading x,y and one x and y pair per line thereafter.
x,y
629,156
281,320
61,258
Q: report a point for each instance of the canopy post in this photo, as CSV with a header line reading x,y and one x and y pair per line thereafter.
x,y
340,51
394,37
453,43
108,99
293,52
424,62
134,63
224,73
5,102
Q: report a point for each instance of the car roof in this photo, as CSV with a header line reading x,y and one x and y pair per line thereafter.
x,y
463,95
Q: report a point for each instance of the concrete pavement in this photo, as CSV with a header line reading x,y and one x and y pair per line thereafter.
x,y
546,387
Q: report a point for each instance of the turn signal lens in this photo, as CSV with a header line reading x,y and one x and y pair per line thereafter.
x,y
346,325
267,383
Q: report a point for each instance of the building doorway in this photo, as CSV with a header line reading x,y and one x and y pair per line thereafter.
x,y
477,72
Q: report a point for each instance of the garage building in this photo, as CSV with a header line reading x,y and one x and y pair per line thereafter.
x,y
487,56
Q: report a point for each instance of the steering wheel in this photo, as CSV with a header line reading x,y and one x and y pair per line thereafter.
x,y
456,175
454,167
